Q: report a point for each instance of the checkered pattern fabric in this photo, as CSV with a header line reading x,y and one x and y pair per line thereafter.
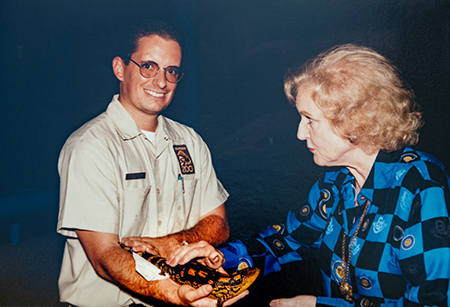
x,y
401,254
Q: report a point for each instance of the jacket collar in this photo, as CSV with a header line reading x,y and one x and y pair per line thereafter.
x,y
381,177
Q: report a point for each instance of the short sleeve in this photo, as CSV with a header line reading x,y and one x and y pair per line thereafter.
x,y
88,192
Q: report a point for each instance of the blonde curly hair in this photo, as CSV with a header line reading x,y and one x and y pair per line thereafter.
x,y
360,92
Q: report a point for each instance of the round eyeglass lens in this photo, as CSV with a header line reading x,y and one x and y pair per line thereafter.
x,y
149,70
172,74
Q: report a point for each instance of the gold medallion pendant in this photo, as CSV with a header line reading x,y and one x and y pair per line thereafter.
x,y
347,291
340,270
343,270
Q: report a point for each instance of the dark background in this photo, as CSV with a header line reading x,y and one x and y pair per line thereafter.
x,y
56,75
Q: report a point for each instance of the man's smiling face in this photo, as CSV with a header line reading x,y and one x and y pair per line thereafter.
x,y
141,96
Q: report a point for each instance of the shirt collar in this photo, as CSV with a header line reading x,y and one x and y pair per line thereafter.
x,y
381,176
124,123
166,130
128,129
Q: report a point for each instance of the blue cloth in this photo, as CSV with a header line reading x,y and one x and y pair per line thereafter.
x,y
401,254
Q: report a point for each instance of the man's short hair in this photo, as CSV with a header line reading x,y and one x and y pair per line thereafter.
x,y
145,28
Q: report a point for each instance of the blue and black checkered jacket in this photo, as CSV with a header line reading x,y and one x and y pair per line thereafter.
x,y
401,255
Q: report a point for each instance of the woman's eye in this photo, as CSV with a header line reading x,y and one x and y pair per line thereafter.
x,y
307,119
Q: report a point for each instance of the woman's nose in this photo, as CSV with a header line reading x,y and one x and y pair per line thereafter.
x,y
302,131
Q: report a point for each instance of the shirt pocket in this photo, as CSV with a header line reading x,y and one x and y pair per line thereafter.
x,y
185,213
134,207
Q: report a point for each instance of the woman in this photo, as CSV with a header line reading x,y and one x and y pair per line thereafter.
x,y
381,223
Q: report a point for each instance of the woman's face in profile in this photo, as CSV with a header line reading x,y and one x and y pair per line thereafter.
x,y
328,148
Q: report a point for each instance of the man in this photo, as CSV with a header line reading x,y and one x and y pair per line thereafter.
x,y
131,172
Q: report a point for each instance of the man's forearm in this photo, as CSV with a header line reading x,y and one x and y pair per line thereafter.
x,y
117,266
213,229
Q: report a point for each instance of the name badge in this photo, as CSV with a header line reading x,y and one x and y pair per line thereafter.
x,y
133,176
184,158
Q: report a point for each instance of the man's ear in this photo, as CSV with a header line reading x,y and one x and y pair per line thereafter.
x,y
118,67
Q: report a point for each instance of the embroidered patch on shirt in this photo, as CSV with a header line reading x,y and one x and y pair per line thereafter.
x,y
184,158
132,176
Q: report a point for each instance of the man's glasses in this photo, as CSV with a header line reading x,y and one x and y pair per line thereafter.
x,y
149,69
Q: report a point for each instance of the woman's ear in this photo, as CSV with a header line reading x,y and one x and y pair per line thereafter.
x,y
118,67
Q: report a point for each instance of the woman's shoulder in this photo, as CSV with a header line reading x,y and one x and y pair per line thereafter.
x,y
424,167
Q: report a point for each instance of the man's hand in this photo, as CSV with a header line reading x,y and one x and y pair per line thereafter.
x,y
208,254
297,301
198,297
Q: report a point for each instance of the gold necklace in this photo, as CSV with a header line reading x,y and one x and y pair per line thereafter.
x,y
346,289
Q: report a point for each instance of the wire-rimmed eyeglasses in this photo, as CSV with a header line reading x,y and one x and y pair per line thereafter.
x,y
149,69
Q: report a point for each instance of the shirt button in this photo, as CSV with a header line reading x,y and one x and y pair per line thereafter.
x,y
158,191
362,198
159,223
179,208
166,138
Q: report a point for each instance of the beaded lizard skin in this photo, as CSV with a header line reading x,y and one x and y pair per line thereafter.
x,y
195,275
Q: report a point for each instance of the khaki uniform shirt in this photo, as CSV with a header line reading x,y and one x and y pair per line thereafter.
x,y
114,180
